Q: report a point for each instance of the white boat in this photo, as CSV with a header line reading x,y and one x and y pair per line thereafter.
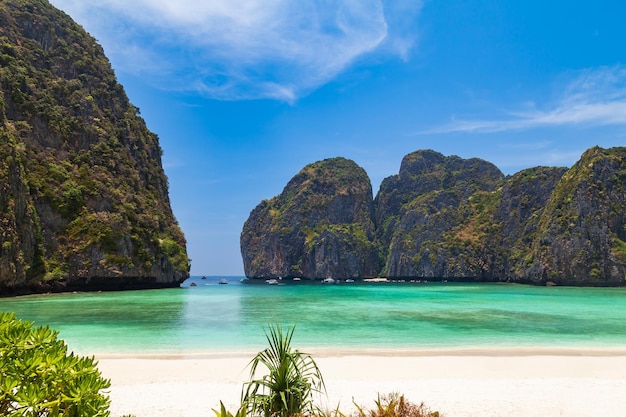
x,y
328,281
223,281
272,281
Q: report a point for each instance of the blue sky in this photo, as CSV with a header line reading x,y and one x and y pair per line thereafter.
x,y
245,93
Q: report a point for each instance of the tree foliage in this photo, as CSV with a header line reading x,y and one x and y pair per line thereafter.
x,y
39,378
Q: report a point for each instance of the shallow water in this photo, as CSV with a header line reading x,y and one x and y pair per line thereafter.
x,y
212,317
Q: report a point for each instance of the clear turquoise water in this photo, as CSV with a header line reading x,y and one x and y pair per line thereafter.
x,y
211,317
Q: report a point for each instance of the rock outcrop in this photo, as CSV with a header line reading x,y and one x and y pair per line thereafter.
x,y
320,226
462,219
83,197
417,209
581,235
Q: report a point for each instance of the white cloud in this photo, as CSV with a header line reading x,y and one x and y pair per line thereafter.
x,y
242,49
594,98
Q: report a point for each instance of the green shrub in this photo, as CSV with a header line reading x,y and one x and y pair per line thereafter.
x,y
39,378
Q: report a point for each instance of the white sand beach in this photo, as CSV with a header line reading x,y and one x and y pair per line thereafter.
x,y
458,383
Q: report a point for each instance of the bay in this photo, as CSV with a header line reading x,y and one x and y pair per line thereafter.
x,y
209,317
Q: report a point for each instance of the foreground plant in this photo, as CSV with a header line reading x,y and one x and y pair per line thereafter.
x,y
39,378
395,405
288,388
222,412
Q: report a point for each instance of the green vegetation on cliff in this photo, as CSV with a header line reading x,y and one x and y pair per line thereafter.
x,y
85,199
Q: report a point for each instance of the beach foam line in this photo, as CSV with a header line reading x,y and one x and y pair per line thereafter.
x,y
506,351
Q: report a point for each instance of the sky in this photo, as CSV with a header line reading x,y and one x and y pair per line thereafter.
x,y
245,93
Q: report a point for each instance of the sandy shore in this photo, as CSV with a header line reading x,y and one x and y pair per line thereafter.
x,y
471,383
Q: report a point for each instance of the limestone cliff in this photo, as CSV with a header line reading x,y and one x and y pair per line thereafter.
x,y
483,237
540,225
419,207
461,219
320,226
84,199
581,237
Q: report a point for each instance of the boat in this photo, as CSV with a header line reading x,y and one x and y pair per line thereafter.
x,y
272,281
203,276
328,281
223,281
349,280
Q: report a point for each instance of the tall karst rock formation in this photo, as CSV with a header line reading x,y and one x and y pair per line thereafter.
x,y
417,209
83,197
320,226
581,237
462,219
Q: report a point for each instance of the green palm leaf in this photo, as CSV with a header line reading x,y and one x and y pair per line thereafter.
x,y
292,378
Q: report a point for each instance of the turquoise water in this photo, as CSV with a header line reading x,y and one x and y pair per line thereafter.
x,y
212,317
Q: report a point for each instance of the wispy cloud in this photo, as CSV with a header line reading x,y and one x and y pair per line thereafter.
x,y
594,98
242,49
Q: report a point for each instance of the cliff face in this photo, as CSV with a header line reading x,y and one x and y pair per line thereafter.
x,y
520,204
320,226
84,201
416,209
582,231
482,237
461,219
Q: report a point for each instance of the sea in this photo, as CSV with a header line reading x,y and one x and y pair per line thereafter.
x,y
204,316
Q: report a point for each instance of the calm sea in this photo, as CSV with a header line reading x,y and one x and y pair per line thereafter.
x,y
209,317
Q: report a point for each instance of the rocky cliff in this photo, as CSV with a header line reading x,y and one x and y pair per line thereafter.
x,y
320,226
462,219
83,196
418,208
581,234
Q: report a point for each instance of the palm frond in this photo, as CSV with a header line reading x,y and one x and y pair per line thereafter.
x,y
292,378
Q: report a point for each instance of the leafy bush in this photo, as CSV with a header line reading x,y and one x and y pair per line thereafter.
x,y
39,378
